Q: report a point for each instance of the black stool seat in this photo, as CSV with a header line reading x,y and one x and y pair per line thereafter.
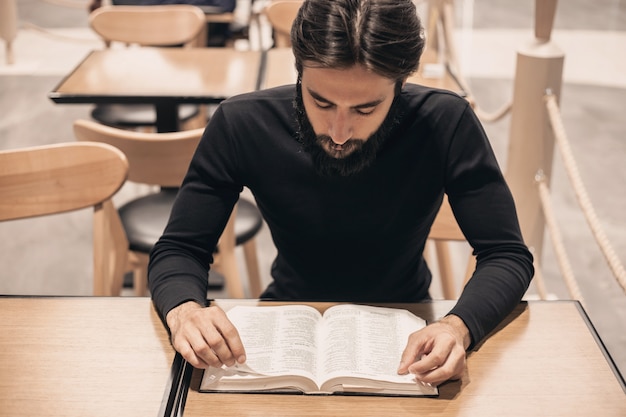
x,y
145,218
137,115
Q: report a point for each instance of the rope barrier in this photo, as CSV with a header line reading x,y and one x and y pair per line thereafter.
x,y
480,113
439,22
557,240
581,194
570,164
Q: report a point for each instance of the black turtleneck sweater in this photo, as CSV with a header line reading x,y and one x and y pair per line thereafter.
x,y
357,239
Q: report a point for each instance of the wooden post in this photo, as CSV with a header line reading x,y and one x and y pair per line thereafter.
x,y
531,142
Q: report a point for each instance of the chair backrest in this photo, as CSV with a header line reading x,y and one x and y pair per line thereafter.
x,y
445,229
172,24
163,159
281,15
445,226
154,158
51,179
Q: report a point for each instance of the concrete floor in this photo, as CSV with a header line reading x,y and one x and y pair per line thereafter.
x,y
52,256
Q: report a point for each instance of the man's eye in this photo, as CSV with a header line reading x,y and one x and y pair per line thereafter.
x,y
366,111
322,105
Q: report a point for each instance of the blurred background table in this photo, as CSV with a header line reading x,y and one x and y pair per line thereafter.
x,y
279,69
164,77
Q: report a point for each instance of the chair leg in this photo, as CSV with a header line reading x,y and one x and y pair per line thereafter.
x,y
110,250
140,274
445,270
227,265
471,267
252,266
225,260
10,57
199,121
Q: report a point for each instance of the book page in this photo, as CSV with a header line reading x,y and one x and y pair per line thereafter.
x,y
278,340
365,342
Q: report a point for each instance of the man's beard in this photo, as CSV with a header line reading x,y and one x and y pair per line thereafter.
x,y
364,151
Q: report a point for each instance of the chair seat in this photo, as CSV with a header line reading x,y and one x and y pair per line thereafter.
x,y
137,115
145,218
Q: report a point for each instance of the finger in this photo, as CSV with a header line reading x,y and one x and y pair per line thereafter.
x,y
188,353
181,344
205,339
193,343
200,354
414,349
230,335
427,362
439,375
438,354
214,349
235,345
451,368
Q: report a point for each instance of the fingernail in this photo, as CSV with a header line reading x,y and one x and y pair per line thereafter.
x,y
241,359
418,379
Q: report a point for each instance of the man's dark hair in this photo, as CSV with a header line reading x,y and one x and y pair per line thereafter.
x,y
384,36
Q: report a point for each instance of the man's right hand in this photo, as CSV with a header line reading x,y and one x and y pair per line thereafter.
x,y
204,336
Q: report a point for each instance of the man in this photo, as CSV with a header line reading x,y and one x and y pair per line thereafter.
x,y
349,168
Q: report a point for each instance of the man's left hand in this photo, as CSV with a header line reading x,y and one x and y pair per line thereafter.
x,y
436,353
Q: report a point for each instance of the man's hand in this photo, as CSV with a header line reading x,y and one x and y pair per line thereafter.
x,y
436,353
204,336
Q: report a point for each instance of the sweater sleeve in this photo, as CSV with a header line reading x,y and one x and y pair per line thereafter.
x,y
180,260
484,208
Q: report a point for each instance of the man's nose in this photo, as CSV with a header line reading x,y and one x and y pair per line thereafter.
x,y
340,128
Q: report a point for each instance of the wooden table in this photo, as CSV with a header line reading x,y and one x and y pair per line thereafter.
x,y
111,357
83,357
547,361
165,77
279,69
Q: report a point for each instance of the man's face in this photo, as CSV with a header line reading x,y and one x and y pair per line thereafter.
x,y
343,116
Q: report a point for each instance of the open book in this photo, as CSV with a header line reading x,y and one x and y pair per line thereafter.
x,y
294,348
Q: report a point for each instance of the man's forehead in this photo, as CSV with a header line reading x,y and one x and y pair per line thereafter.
x,y
355,86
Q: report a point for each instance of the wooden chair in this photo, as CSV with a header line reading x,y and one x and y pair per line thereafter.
x,y
162,159
168,25
281,15
51,179
443,231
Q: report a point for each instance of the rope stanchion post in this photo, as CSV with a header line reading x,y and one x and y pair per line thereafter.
x,y
531,142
